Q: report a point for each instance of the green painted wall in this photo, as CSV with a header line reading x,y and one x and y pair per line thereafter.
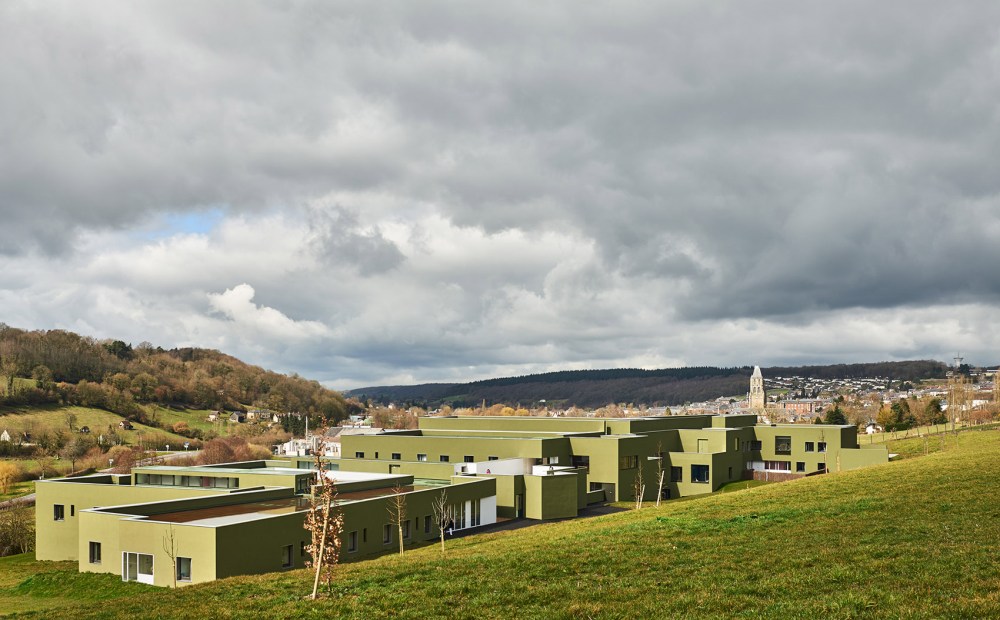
x,y
551,497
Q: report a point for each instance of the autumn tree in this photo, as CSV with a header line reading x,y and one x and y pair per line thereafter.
x,y
325,523
9,474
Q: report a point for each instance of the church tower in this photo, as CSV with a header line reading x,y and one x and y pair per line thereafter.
x,y
757,396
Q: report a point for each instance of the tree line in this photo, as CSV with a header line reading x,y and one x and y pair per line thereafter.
x,y
57,366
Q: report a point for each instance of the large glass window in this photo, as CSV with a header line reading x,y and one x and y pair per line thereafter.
x,y
778,465
782,445
699,473
628,462
183,569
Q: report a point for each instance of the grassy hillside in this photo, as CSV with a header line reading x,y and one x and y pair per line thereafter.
x,y
51,418
919,538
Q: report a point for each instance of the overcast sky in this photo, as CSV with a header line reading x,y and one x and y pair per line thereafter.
x,y
397,192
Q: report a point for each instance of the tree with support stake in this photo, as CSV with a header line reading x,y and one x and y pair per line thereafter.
x,y
659,472
443,514
397,511
325,523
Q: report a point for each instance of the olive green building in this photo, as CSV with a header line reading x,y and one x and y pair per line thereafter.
x,y
178,525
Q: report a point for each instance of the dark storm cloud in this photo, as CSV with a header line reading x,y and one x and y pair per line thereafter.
x,y
516,183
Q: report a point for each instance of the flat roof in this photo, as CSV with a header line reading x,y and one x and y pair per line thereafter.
x,y
199,469
237,513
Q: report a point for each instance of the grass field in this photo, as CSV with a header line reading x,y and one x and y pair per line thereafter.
x,y
20,488
918,538
50,418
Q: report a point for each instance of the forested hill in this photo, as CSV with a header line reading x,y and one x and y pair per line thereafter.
x,y
57,366
595,388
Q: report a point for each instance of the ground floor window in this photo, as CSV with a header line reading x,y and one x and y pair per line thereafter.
x,y
699,473
406,528
821,467
95,552
183,569
286,556
676,474
352,542
386,533
427,524
137,567
777,466
800,466
58,512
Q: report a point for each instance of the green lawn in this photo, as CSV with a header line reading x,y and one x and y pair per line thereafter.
x,y
20,488
918,538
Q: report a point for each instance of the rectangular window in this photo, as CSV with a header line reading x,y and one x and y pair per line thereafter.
x,y
810,446
396,456
72,510
628,462
782,445
95,552
821,446
427,524
443,458
364,534
302,548
492,458
58,512
406,528
183,569
469,459
777,465
753,446
699,473
386,533
821,467
730,473
286,556
422,457
359,455
800,466
352,542
676,474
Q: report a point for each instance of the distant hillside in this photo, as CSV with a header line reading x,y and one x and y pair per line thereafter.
x,y
60,367
595,388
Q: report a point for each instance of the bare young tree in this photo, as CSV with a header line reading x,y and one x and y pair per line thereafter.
x,y
397,511
444,514
659,472
170,548
325,523
639,487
